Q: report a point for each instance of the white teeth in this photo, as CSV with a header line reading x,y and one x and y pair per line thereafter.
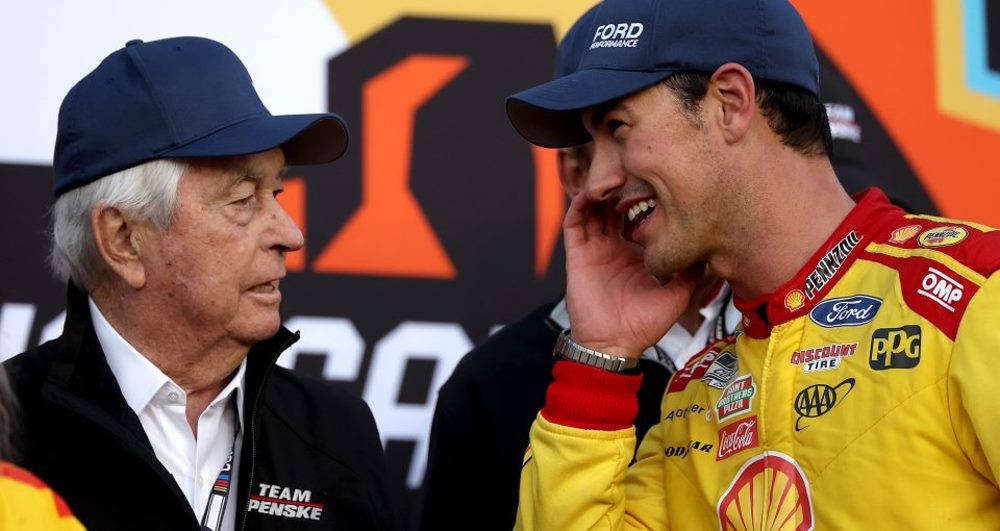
x,y
640,207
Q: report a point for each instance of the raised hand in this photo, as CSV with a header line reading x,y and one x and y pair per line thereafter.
x,y
616,307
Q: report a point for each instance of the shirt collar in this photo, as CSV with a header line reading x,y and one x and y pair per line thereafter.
x,y
677,343
138,378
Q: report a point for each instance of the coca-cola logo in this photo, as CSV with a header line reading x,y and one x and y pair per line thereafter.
x,y
737,437
845,311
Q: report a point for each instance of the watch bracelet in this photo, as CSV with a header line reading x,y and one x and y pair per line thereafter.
x,y
568,349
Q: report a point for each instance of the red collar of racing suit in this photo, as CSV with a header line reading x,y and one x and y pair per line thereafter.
x,y
870,217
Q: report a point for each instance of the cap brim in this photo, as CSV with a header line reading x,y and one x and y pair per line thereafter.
x,y
305,139
548,115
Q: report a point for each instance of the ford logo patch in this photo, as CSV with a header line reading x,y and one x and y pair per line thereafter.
x,y
845,311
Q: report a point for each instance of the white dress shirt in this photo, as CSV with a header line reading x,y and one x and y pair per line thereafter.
x,y
679,344
161,407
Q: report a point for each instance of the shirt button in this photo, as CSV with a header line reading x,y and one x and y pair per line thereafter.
x,y
173,397
201,481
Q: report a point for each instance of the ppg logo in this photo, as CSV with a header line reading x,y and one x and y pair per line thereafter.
x,y
895,348
845,311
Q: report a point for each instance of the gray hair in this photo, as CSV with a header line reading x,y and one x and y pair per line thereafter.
x,y
147,192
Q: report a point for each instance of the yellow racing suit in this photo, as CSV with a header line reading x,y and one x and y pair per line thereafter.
x,y
27,504
860,395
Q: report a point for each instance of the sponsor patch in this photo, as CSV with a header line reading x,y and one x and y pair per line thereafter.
x,y
822,358
695,371
843,125
790,508
795,299
736,398
942,236
904,234
738,436
682,412
828,266
816,400
895,348
941,289
622,35
285,502
845,311
681,450
722,371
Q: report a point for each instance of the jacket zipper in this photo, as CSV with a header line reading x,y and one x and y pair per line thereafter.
x,y
253,434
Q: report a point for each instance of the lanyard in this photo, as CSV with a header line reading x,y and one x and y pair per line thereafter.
x,y
216,508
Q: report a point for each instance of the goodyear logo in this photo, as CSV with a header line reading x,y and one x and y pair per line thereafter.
x,y
942,236
817,400
845,311
895,348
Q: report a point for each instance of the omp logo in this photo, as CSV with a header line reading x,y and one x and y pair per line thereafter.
x,y
621,35
845,311
816,400
941,289
745,505
895,348
276,500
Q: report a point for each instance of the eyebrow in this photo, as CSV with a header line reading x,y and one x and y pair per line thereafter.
x,y
602,110
243,172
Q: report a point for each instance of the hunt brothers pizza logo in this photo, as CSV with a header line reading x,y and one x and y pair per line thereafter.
x,y
737,398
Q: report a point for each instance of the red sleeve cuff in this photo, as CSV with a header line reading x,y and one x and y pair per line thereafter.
x,y
590,398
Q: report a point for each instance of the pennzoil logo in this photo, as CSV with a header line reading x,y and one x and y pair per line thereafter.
x,y
828,266
904,234
817,400
772,472
942,236
737,398
895,348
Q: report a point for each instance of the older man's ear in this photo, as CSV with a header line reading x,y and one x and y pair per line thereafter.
x,y
119,241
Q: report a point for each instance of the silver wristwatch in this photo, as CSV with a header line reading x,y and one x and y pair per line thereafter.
x,y
568,349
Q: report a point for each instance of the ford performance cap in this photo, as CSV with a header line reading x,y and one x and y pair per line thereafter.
x,y
633,44
177,98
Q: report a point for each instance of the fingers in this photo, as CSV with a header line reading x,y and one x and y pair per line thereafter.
x,y
587,219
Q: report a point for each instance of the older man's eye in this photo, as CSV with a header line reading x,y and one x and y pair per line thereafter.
x,y
246,201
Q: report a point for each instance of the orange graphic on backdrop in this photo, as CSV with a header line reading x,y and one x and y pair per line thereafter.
x,y
389,234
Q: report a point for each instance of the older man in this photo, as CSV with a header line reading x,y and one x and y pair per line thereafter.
x,y
160,407
866,360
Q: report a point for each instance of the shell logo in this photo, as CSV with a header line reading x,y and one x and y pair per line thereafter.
x,y
770,492
794,300
903,234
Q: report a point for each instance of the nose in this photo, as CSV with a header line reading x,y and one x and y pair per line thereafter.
x,y
286,235
606,174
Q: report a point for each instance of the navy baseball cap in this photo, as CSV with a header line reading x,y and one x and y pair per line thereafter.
x,y
185,97
572,47
632,44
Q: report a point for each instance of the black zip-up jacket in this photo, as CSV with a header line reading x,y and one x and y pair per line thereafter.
x,y
317,445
